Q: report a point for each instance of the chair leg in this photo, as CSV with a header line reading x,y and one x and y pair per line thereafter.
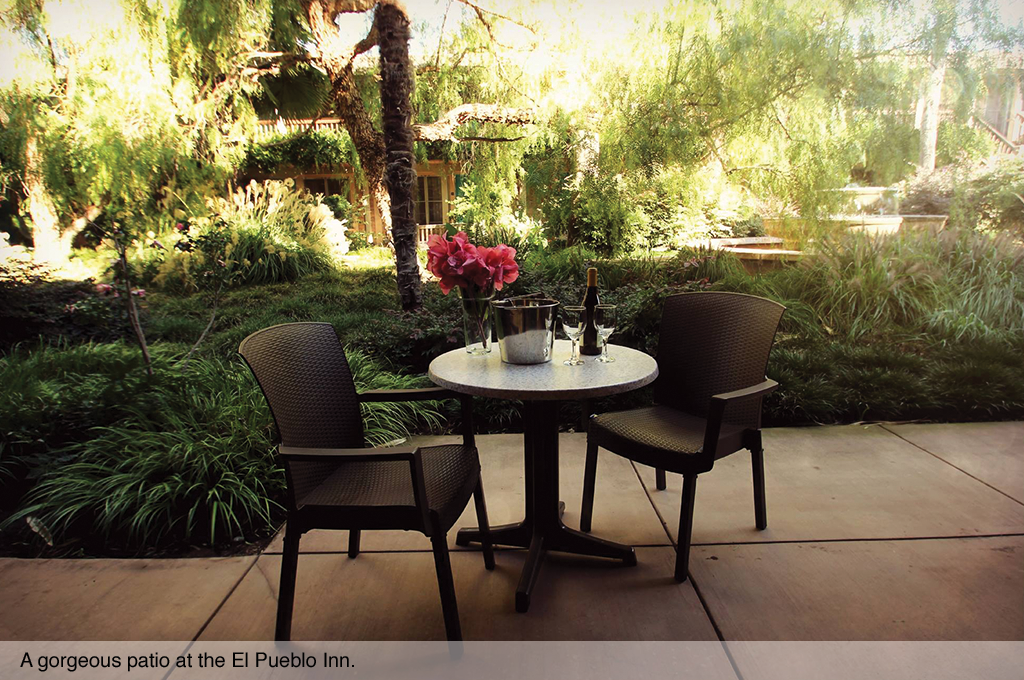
x,y
659,479
446,585
589,481
586,410
353,543
685,527
483,525
760,508
286,591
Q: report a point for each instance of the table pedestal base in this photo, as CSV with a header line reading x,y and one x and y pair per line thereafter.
x,y
542,529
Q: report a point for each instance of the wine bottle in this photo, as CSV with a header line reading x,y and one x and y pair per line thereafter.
x,y
590,301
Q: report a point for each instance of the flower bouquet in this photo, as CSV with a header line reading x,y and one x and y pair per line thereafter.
x,y
477,272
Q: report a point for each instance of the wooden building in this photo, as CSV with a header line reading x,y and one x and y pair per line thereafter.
x,y
1001,112
438,183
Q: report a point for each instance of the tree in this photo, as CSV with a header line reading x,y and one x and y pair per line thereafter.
x,y
179,80
954,35
337,59
395,89
944,20
130,103
118,118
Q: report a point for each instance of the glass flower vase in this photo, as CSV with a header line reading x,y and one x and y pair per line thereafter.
x,y
476,319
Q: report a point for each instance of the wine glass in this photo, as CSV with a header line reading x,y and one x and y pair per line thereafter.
x,y
573,320
604,321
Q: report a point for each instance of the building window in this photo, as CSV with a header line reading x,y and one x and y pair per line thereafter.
x,y
429,200
328,186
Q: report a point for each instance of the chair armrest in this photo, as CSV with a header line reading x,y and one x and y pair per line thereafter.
x,y
428,394
408,454
758,390
303,454
716,411
417,394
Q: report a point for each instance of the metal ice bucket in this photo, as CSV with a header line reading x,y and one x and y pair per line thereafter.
x,y
526,328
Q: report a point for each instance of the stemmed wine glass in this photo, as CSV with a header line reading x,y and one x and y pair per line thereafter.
x,y
573,320
604,321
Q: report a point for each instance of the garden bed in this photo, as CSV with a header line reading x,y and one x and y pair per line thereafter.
x,y
927,327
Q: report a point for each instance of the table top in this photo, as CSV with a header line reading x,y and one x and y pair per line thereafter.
x,y
487,376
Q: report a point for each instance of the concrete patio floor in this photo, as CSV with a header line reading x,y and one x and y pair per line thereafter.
x,y
882,532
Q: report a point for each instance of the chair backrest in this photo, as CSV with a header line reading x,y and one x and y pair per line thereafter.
x,y
304,375
712,343
303,372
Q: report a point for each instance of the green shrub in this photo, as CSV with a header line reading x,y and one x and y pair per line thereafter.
x,y
195,464
918,325
266,233
413,339
959,143
982,284
993,198
56,394
849,382
134,462
985,196
890,148
316,149
945,286
860,284
516,231
70,310
597,213
930,193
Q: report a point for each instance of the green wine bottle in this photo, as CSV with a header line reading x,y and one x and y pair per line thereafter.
x,y
590,301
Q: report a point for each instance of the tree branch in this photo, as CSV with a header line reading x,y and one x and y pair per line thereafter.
x,y
480,11
489,139
209,326
336,7
443,129
276,62
766,167
440,36
367,43
328,48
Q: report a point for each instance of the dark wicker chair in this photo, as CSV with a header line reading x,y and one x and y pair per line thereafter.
x,y
712,355
336,483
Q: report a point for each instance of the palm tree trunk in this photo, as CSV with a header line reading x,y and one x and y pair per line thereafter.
x,y
400,173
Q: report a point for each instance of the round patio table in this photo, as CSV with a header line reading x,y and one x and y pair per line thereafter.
x,y
540,387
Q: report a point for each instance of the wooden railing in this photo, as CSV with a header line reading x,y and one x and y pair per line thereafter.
x,y
266,129
425,232
1003,145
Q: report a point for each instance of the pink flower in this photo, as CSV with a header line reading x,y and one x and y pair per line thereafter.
x,y
459,263
501,264
180,227
140,292
453,262
103,288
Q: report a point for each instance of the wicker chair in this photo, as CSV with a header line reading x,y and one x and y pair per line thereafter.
x,y
336,483
712,355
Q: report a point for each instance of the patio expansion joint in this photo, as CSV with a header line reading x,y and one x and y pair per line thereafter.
x,y
872,539
693,583
224,600
935,455
216,610
657,512
407,551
